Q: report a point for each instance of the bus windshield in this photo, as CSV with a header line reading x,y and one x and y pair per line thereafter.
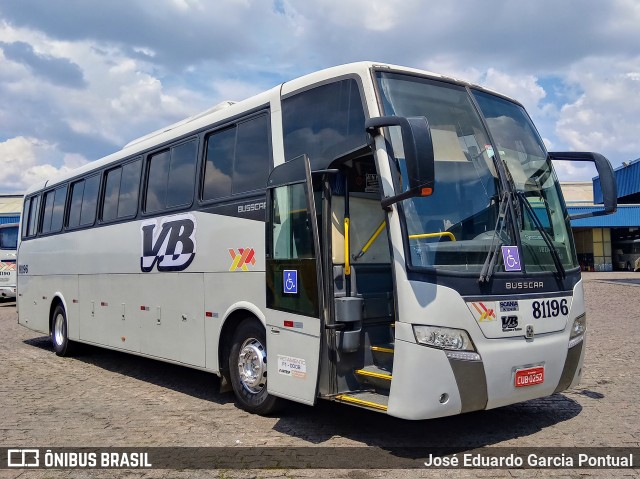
x,y
466,217
9,238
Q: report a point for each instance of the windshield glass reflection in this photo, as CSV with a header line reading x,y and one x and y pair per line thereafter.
x,y
454,228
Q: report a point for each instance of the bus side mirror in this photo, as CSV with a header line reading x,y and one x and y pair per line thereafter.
x,y
418,153
607,179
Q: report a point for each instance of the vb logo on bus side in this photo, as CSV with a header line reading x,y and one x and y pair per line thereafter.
x,y
168,243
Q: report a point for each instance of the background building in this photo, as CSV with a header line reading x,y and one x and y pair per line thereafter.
x,y
611,242
10,208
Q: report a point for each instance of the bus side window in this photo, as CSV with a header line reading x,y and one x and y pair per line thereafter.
x,y
89,200
30,217
324,122
171,177
75,204
121,191
53,212
111,193
47,211
219,164
57,215
237,159
253,155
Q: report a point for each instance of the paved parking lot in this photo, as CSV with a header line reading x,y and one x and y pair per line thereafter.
x,y
107,399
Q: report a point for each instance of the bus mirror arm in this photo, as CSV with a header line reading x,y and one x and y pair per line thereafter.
x,y
607,179
418,153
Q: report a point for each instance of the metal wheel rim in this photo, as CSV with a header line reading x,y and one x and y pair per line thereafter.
x,y
252,365
58,329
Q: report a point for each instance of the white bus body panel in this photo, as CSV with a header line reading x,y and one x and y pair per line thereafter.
x,y
422,375
294,356
8,274
111,302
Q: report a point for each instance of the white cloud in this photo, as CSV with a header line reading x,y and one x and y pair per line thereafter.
x,y
524,88
373,15
164,61
574,171
605,117
235,90
23,163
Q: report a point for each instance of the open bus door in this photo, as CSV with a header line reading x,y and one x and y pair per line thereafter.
x,y
293,283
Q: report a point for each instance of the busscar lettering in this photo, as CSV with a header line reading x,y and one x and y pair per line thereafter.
x,y
252,207
524,285
170,243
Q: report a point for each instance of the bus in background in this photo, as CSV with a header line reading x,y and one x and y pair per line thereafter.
x,y
8,247
377,235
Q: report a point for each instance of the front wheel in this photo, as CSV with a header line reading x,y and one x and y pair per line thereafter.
x,y
248,369
59,332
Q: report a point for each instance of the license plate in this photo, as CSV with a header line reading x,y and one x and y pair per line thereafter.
x,y
529,377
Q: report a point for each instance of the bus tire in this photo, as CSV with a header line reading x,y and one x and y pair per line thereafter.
x,y
59,332
628,267
248,369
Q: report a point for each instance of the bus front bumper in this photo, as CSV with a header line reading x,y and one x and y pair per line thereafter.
x,y
428,384
8,292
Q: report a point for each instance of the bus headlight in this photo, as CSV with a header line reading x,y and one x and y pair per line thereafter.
x,y
578,329
456,343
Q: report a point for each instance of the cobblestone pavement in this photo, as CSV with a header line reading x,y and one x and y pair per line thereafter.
x,y
103,399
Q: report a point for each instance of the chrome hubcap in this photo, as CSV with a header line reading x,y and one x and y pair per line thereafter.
x,y
58,329
252,365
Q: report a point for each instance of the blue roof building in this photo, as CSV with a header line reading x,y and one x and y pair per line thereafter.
x,y
610,242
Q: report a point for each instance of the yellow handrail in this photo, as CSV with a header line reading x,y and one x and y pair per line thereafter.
x,y
434,235
371,240
347,264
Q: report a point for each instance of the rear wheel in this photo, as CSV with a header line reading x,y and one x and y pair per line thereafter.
x,y
248,369
629,268
59,332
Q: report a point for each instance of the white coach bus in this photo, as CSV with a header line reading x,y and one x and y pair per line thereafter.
x,y
364,234
8,272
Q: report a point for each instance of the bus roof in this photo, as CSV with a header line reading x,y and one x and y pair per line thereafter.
x,y
229,109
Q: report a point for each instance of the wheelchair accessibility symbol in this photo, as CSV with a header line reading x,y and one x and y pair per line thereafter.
x,y
511,258
290,281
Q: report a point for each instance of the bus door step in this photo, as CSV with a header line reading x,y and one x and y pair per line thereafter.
x,y
382,355
367,400
375,376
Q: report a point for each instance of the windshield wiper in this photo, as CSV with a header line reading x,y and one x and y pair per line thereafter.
x,y
545,236
492,255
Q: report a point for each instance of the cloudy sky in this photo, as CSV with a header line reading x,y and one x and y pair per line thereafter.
x,y
80,78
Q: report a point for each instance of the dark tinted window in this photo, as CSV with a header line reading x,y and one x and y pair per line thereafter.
x,y
182,174
9,237
30,220
77,190
171,177
129,188
252,160
89,200
111,191
53,213
324,122
157,183
25,216
238,159
47,211
57,217
219,166
121,191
